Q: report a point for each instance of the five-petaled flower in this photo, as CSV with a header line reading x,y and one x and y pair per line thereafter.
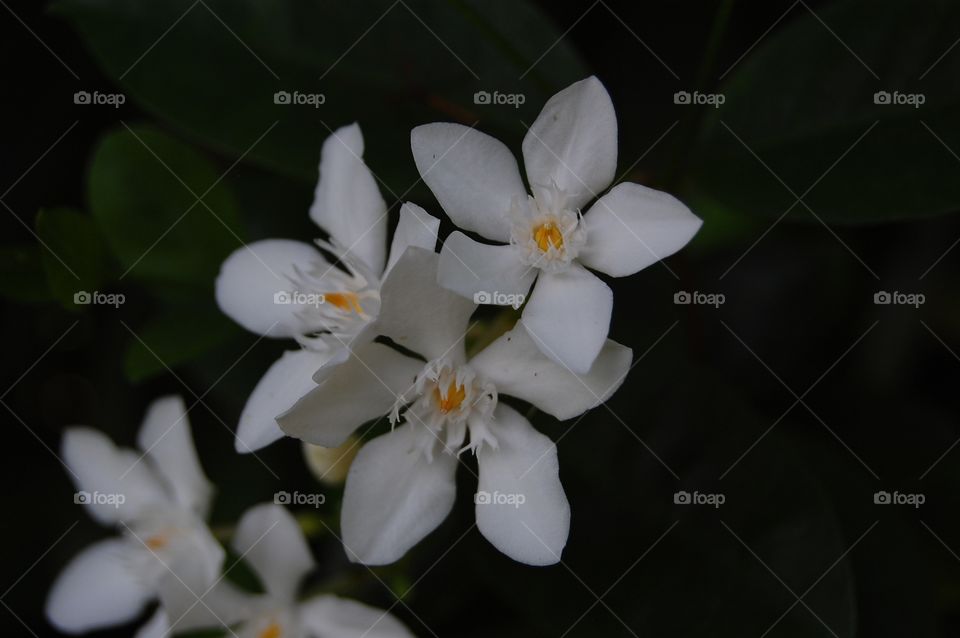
x,y
158,499
271,542
289,289
401,485
570,155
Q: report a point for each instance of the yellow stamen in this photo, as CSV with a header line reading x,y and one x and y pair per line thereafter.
x,y
455,396
345,301
273,630
546,235
157,541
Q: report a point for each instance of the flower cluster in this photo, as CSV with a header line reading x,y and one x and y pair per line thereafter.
x,y
157,499
384,333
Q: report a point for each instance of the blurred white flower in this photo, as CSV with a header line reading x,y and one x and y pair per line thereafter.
x,y
158,499
270,540
570,155
401,485
288,289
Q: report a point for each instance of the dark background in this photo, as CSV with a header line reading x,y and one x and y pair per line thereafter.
x,y
797,399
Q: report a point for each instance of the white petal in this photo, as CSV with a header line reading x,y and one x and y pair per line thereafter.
x,y
363,388
124,481
191,565
417,313
516,366
347,203
334,617
97,589
416,228
568,316
394,497
573,142
473,176
285,382
471,269
157,627
526,516
632,227
165,438
222,605
269,538
253,274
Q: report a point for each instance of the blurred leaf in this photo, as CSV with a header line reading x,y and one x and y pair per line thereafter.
x,y
802,99
143,192
22,275
175,337
75,258
388,65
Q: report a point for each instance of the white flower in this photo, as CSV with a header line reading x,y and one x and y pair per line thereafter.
x,y
401,485
570,155
270,540
288,289
158,500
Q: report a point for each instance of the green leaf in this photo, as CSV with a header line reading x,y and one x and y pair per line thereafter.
x,y
387,65
805,97
175,337
74,256
144,188
22,275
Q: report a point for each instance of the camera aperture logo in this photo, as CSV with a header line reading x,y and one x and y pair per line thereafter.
x,y
898,498
697,98
696,298
499,99
299,498
896,98
699,498
99,498
96,98
483,497
497,298
298,298
97,298
296,98
897,298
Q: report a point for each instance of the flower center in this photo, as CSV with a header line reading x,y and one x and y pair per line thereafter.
x,y
449,402
273,630
157,542
346,301
453,398
331,319
548,235
545,229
